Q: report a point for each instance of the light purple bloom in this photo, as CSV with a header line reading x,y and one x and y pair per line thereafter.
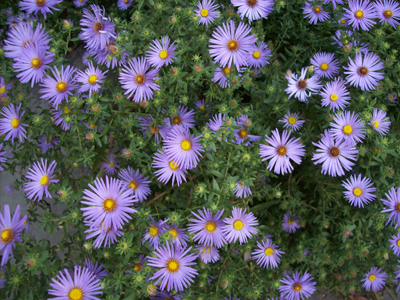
x,y
220,76
2,158
348,127
179,237
388,11
124,4
393,206
360,14
297,287
168,168
349,39
110,56
380,122
96,269
41,176
253,9
290,223
216,123
358,191
162,53
183,118
207,11
280,151
395,244
153,233
35,6
298,86
47,142
335,94
108,236
258,55
90,79
391,97
267,254
60,120
4,88
80,3
207,254
292,121
148,126
135,182
315,13
334,2
374,280
241,190
326,66
163,295
240,226
111,166
11,123
242,134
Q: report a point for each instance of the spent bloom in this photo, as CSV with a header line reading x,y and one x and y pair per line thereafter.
x,y
290,223
315,13
90,79
161,54
207,11
11,123
301,87
348,127
359,191
380,122
35,6
360,14
374,280
297,287
240,226
326,66
388,11
335,95
135,182
253,9
41,176
267,254
393,206
292,121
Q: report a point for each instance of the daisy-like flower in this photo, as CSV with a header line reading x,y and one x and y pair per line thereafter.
x,y
334,2
374,280
80,3
388,11
280,151
334,156
240,226
241,190
380,122
4,88
267,254
360,14
208,228
147,123
182,147
258,55
35,6
138,80
61,117
253,9
207,11
395,244
47,142
96,269
124,4
358,191
292,121
84,285
242,134
96,28
220,76
230,45
140,263
11,123
391,97
32,63
154,232
335,95
393,206
183,118
10,231
207,254
326,66
110,56
2,158
135,182
299,86
57,89
315,13
179,238
162,53
216,123
90,79
174,262
109,204
107,237
348,128
363,72
290,223
297,287
168,168
201,104
111,165
41,176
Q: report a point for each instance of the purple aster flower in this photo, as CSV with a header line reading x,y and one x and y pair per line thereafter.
x,y
110,56
207,11
217,123
201,104
168,168
108,236
96,28
325,65
335,94
35,6
138,81
11,123
90,79
244,120
109,204
240,226
298,287
344,36
242,134
208,228
267,254
241,190
80,3
84,285
348,128
12,21
362,72
96,269
163,295
207,254
280,151
10,230
380,122
58,89
220,76
162,53
230,45
290,223
154,232
298,86
258,55
391,97
315,13
395,244
360,14
47,142
32,63
388,11
41,176
374,280
182,147
4,88
25,18
148,126
393,206
174,262
124,4
135,182
334,156
62,120
292,121
111,166
2,158
253,9
140,263
358,191
183,118
179,238
334,2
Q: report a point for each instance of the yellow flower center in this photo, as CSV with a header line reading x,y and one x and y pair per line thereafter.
x,y
238,225
61,86
111,164
153,129
343,21
242,133
163,54
177,120
2,90
372,277
40,2
226,70
6,235
210,226
388,13
138,267
15,123
324,66
357,192
292,120
92,79
204,13
256,54
44,180
186,145
133,184
173,165
347,130
207,249
333,97
36,63
140,79
109,205
172,265
281,150
317,9
92,125
233,45
398,243
75,294
269,251
359,14
174,233
290,222
201,107
376,124
66,110
25,223
297,287
153,230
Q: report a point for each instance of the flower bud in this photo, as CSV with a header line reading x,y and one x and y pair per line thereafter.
x,y
87,246
151,290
